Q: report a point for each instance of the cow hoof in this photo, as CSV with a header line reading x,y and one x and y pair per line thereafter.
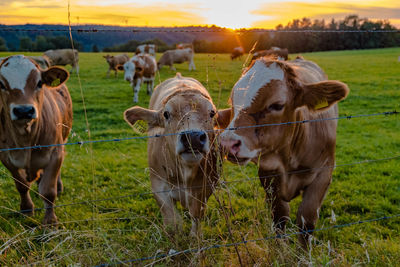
x,y
50,220
27,209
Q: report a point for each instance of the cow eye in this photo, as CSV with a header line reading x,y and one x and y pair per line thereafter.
x,y
275,107
39,85
212,113
166,115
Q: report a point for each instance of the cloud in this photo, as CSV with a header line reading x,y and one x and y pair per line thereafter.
x,y
284,12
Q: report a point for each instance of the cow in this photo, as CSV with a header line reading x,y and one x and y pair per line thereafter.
x,y
139,69
177,56
183,167
114,62
293,158
42,61
237,52
147,49
35,109
281,53
184,45
63,57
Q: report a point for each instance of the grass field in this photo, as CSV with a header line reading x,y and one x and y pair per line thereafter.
x,y
117,230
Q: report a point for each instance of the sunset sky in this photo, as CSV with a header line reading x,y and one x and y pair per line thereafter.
x,y
224,13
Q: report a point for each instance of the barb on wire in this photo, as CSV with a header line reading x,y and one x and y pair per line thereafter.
x,y
279,236
188,30
386,113
88,202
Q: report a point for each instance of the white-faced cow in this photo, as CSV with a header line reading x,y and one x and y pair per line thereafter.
x,y
294,158
147,49
139,69
170,57
62,57
237,52
183,166
114,62
35,109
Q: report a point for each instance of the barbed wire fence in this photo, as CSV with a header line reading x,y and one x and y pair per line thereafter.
x,y
114,140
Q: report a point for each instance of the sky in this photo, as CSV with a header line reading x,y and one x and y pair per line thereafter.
x,y
224,13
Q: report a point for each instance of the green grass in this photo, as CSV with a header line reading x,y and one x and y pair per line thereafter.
x,y
131,227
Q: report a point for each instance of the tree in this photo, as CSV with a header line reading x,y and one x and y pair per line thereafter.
x,y
3,46
25,44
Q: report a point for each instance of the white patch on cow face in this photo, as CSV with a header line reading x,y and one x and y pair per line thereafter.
x,y
16,71
129,69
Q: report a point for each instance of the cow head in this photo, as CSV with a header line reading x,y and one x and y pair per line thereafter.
x,y
186,112
22,83
132,68
109,58
269,92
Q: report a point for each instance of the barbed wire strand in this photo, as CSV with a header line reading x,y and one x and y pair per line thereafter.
x,y
88,202
278,236
172,30
386,113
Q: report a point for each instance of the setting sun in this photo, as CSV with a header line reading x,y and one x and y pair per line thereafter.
x,y
231,14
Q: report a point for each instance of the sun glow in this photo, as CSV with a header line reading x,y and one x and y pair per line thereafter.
x,y
232,14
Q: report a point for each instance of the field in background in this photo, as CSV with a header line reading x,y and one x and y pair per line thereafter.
x,y
121,229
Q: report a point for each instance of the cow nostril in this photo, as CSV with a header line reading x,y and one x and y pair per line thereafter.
x,y
237,144
203,138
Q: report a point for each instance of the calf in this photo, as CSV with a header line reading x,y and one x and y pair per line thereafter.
x,y
295,158
281,53
140,68
147,49
35,109
183,167
114,62
177,56
237,52
64,57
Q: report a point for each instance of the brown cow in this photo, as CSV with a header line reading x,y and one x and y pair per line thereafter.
x,y
281,53
147,49
35,109
273,91
114,62
63,57
237,52
140,69
185,163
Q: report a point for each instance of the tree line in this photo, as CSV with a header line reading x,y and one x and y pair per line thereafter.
x,y
223,41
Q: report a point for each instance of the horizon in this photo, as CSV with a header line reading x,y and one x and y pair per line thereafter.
x,y
235,14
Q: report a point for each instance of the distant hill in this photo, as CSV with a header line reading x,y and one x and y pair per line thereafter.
x,y
108,36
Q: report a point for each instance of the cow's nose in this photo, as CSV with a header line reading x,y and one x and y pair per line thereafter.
x,y
194,140
24,112
231,146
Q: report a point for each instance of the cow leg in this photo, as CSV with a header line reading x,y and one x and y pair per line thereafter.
x,y
136,89
115,73
308,212
172,68
171,218
191,65
23,186
196,210
48,186
280,208
108,73
60,187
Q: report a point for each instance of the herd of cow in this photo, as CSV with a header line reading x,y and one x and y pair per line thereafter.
x,y
36,109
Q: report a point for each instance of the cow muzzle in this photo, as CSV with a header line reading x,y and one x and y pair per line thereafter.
x,y
232,148
23,112
192,145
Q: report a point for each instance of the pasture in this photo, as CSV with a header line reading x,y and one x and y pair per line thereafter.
x,y
118,220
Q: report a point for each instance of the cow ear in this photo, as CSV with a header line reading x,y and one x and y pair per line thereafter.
x,y
54,76
136,113
322,95
223,118
120,67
